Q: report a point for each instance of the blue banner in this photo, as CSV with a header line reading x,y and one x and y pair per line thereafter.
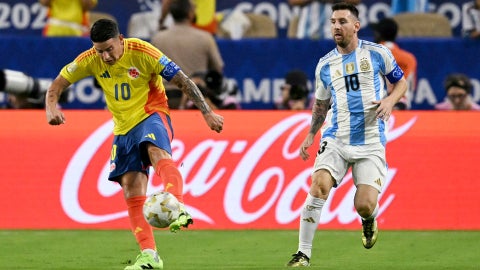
x,y
257,66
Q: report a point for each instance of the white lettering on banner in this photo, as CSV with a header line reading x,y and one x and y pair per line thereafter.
x,y
69,190
251,93
202,182
393,134
424,93
452,11
21,16
475,90
205,157
237,184
284,214
282,13
269,89
286,15
375,12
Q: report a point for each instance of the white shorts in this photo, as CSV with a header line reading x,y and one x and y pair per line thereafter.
x,y
368,162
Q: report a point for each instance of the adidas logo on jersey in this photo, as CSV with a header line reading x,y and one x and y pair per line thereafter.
x,y
105,74
151,136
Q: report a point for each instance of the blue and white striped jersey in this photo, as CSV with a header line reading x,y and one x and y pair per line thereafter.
x,y
352,82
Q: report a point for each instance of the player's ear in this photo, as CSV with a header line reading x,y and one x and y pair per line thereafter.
x,y
357,26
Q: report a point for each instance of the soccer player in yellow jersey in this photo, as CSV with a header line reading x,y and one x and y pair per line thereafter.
x,y
67,17
205,15
130,73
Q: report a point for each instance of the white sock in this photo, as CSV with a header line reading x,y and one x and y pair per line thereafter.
x,y
309,219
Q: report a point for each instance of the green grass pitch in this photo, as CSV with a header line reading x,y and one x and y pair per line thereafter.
x,y
242,249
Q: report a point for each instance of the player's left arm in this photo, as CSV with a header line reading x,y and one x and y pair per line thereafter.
x,y
385,105
172,73
398,91
395,75
190,89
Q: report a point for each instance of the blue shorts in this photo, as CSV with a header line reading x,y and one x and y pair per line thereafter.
x,y
129,152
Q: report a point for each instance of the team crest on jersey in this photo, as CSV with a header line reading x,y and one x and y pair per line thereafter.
x,y
350,67
72,67
364,64
133,72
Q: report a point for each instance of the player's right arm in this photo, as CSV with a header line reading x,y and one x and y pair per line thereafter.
x,y
319,113
54,115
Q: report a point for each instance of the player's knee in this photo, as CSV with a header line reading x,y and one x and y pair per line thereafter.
x,y
365,210
322,183
365,200
155,153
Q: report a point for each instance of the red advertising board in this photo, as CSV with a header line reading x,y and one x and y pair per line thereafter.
x,y
249,176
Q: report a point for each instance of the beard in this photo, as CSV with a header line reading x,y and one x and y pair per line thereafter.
x,y
341,43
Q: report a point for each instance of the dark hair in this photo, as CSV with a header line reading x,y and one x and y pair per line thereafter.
x,y
298,81
387,29
103,30
343,6
296,77
180,9
214,80
458,80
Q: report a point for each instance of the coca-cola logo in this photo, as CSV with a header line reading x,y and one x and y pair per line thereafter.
x,y
237,180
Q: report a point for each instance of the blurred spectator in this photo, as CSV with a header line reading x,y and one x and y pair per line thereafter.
x,y
144,24
67,17
218,92
295,92
458,89
385,32
24,92
471,19
194,50
401,6
205,15
234,24
314,19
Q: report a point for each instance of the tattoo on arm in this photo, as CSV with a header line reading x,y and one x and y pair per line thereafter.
x,y
52,95
55,90
319,113
190,89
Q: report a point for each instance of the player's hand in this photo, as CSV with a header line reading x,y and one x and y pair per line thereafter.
x,y
214,121
384,109
55,117
305,145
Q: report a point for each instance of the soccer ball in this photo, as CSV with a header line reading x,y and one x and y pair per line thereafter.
x,y
161,209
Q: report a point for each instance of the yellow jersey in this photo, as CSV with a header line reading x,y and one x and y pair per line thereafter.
x,y
67,18
205,11
133,86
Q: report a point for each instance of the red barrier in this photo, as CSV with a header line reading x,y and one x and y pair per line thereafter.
x,y
249,176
